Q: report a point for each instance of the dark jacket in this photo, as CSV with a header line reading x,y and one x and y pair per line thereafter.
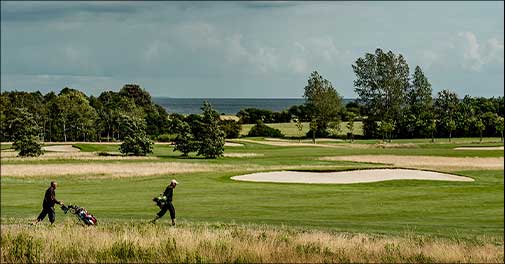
x,y
169,192
50,198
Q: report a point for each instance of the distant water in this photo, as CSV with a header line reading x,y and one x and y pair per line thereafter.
x,y
228,106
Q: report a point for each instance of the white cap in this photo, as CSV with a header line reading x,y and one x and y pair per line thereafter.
x,y
174,181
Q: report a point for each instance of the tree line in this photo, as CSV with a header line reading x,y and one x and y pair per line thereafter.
x,y
396,104
71,115
128,115
391,103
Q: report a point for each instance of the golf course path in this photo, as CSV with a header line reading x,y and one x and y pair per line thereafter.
x,y
348,177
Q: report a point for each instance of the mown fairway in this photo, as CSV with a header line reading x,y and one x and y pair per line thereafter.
x,y
290,129
462,210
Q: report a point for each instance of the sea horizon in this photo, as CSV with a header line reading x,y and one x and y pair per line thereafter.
x,y
228,106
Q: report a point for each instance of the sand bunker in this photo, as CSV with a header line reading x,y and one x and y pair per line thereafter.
x,y
479,148
428,162
242,155
233,144
348,177
61,148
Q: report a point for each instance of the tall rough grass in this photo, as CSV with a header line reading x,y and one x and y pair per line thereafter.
x,y
141,242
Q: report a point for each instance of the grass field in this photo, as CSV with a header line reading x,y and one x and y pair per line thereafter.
x,y
461,212
290,129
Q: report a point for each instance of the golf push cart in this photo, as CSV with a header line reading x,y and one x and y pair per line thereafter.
x,y
81,213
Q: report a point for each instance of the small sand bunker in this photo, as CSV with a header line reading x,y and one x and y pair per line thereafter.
x,y
479,148
233,144
61,148
242,155
348,177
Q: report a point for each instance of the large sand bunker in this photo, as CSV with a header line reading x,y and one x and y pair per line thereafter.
x,y
347,177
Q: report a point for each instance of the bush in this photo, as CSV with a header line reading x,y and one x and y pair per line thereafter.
x,y
137,144
262,130
231,128
28,146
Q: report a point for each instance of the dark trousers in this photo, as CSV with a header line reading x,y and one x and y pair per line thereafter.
x,y
168,207
47,211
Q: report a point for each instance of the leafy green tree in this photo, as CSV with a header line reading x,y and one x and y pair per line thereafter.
x,y
419,104
386,128
446,107
431,127
350,125
133,91
26,133
230,127
75,114
299,127
138,144
32,102
451,126
184,142
136,141
382,80
500,126
313,128
212,140
323,99
479,125
333,128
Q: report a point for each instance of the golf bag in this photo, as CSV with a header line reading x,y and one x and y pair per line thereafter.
x,y
160,200
81,213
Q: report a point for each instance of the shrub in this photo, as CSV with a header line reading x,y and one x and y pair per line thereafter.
x,y
262,130
231,128
137,144
28,146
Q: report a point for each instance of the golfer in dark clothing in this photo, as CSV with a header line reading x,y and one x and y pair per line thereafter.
x,y
168,206
48,204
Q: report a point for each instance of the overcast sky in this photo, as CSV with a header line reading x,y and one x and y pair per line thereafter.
x,y
245,49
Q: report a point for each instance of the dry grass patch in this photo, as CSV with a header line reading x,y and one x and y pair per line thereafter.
x,y
84,156
203,243
427,162
109,170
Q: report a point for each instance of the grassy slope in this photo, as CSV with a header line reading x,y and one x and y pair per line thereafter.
x,y
438,208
